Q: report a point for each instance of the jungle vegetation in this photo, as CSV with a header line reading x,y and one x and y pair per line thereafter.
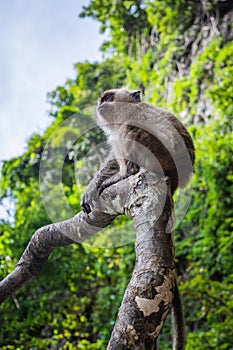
x,y
180,54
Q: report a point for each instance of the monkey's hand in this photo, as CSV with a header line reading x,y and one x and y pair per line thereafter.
x,y
89,197
94,189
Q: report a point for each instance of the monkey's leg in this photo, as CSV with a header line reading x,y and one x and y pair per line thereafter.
x,y
129,169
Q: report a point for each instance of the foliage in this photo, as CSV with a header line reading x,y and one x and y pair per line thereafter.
x,y
126,22
207,242
162,48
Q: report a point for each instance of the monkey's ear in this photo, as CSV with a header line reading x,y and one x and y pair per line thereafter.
x,y
136,96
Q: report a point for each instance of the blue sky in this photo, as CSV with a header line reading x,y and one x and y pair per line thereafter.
x,y
40,40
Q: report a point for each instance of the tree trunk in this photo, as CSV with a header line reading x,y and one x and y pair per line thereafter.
x,y
148,297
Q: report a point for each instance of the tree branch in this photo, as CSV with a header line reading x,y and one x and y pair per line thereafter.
x,y
148,297
44,240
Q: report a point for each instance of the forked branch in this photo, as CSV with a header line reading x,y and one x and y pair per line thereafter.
x,y
149,295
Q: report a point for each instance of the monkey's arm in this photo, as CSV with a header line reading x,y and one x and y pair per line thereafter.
x,y
107,170
108,175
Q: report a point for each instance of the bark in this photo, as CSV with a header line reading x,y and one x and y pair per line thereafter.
x,y
44,240
149,295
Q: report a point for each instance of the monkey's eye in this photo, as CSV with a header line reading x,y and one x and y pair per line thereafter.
x,y
109,97
136,96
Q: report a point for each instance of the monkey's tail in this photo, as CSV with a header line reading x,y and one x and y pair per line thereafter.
x,y
178,321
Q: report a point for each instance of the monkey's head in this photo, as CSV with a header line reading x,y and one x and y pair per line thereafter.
x,y
120,95
113,106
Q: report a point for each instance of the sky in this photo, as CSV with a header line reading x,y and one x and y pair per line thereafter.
x,y
40,40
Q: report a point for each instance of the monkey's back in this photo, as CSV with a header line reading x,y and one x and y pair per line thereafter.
x,y
159,136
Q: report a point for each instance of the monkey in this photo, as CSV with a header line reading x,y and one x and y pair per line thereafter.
x,y
142,135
